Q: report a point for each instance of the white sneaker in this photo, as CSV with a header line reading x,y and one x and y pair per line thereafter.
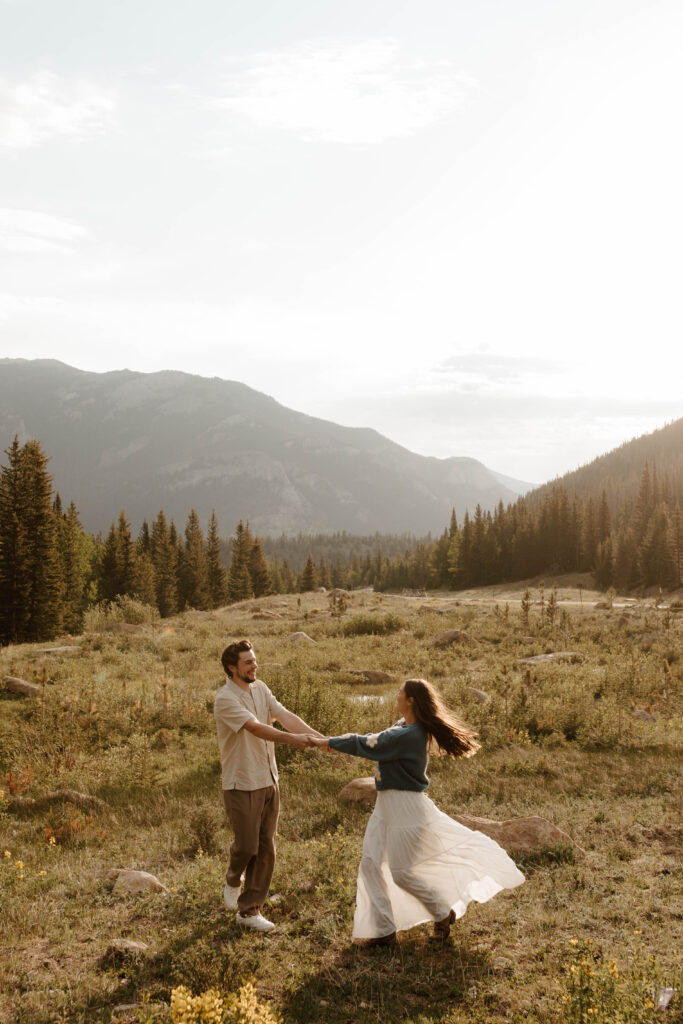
x,y
257,922
231,895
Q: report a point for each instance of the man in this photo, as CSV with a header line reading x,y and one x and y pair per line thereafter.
x,y
244,710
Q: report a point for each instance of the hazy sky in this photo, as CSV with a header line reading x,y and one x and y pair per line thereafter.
x,y
458,222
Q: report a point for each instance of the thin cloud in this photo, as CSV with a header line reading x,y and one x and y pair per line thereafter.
x,y
473,368
344,92
29,232
46,106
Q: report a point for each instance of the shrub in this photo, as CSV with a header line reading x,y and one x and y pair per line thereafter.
x,y
373,625
598,991
102,616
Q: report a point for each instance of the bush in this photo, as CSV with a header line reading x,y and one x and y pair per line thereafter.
x,y
373,625
102,616
599,991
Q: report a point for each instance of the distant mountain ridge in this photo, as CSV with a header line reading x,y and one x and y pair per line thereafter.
x,y
175,441
619,472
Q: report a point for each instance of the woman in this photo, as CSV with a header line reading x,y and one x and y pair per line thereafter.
x,y
418,864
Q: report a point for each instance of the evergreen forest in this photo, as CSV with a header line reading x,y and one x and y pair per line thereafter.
x,y
628,533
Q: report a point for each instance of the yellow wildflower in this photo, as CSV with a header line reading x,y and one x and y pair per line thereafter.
x,y
7,853
19,864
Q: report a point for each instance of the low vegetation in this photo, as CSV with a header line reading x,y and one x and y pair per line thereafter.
x,y
114,764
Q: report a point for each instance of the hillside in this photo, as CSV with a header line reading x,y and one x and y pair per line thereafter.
x,y
619,472
174,441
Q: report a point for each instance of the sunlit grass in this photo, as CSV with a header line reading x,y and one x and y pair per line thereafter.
x,y
129,721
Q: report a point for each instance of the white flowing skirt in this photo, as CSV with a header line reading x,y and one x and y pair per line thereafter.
x,y
418,865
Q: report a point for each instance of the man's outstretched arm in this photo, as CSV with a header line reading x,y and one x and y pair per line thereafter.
x,y
267,732
292,723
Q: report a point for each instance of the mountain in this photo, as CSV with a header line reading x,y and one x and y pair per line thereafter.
x,y
619,472
175,441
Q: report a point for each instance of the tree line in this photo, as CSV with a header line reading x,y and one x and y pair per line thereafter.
x,y
640,545
52,570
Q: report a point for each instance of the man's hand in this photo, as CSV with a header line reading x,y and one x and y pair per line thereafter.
x,y
299,740
318,741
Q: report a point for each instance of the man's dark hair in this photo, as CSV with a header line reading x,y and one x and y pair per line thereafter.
x,y
231,654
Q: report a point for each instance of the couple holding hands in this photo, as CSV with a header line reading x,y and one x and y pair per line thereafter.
x,y
418,865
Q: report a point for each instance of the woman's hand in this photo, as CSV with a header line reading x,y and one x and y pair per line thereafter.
x,y
318,741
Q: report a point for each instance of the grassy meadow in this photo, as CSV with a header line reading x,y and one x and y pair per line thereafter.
x,y
596,927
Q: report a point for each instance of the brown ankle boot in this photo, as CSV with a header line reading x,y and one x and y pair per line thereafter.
x,y
442,929
380,940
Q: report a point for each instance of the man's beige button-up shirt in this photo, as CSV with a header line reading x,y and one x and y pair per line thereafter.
x,y
247,762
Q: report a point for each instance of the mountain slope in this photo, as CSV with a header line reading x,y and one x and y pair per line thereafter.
x,y
619,472
175,441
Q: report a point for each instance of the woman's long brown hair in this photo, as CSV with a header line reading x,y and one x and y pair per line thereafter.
x,y
452,735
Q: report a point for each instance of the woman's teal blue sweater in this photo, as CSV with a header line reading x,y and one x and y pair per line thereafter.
x,y
400,752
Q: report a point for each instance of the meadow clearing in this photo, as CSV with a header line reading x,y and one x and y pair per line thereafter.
x,y
127,719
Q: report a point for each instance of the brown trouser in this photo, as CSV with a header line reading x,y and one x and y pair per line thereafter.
x,y
253,815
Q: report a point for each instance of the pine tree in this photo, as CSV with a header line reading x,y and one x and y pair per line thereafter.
x,y
216,574
119,561
13,542
309,578
193,591
164,560
656,555
76,550
144,580
324,572
603,525
644,505
239,580
144,541
259,573
288,578
30,581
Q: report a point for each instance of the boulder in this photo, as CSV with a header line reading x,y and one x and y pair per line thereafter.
x,y
373,675
542,659
85,801
127,946
20,686
517,835
641,715
454,636
126,880
72,649
478,696
300,637
359,791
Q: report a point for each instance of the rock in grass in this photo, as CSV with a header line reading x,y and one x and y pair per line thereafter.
x,y
517,835
641,715
359,791
454,636
541,659
127,946
20,686
126,880
72,649
478,696
297,638
85,801
373,675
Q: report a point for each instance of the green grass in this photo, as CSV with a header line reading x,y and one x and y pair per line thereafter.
x,y
130,722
